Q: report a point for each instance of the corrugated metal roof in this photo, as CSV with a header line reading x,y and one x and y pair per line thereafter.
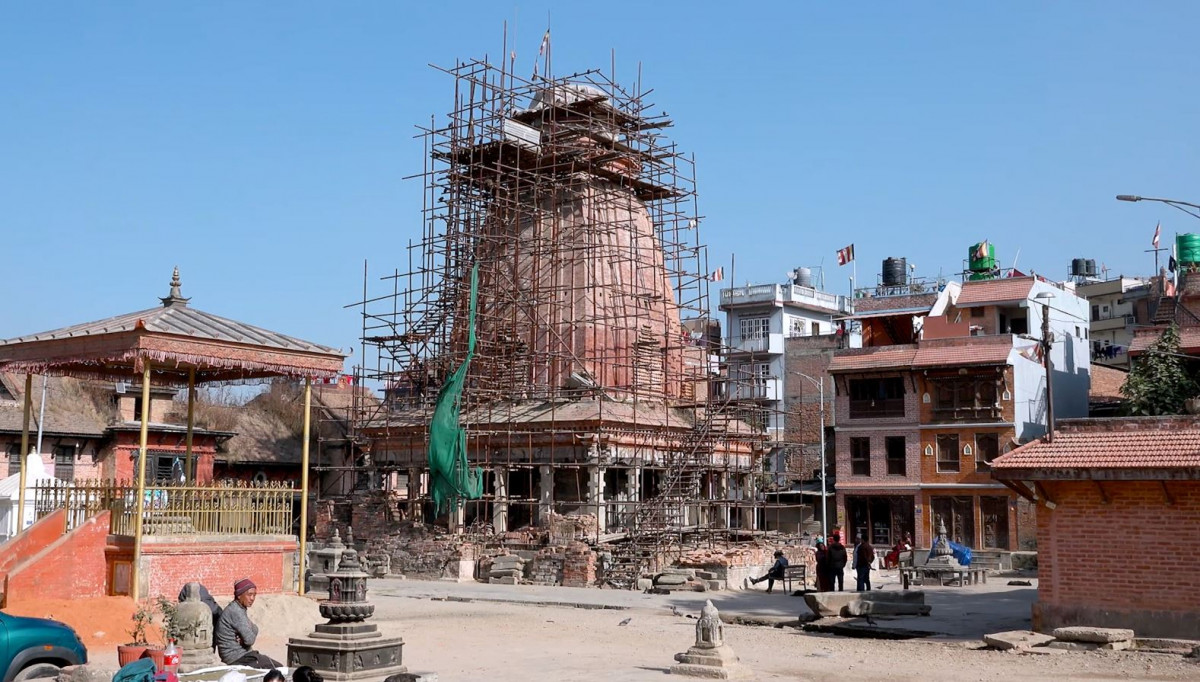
x,y
181,320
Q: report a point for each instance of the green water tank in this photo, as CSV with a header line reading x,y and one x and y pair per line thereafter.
x,y
1188,247
981,265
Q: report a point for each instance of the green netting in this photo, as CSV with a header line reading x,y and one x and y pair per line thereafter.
x,y
451,479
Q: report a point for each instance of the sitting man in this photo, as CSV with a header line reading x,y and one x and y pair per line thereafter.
x,y
235,634
776,572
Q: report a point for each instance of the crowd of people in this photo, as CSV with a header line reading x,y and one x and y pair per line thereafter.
x,y
832,559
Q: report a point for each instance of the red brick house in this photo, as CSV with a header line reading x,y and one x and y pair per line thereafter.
x,y
1118,508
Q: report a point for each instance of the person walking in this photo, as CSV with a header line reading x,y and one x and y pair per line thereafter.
x,y
864,557
837,563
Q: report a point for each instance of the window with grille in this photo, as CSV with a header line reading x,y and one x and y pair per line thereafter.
x,y
64,462
754,327
947,452
860,456
14,458
987,448
894,445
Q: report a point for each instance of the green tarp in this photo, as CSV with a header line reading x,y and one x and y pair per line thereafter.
x,y
451,479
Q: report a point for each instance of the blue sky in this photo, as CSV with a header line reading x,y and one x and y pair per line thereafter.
x,y
261,146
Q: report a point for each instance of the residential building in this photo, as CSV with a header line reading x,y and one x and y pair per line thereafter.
x,y
759,320
948,378
1117,306
1098,477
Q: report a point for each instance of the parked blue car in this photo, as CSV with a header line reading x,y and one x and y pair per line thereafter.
x,y
36,648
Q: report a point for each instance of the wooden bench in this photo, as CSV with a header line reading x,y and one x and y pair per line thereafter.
x,y
791,573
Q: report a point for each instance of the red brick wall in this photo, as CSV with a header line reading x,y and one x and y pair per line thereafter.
x,y
73,567
217,563
1127,563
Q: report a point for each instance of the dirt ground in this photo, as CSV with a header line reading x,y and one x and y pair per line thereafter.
x,y
504,641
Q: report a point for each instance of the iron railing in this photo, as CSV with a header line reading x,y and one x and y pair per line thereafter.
x,y
226,508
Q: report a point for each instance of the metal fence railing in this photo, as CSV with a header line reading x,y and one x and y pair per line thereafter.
x,y
229,508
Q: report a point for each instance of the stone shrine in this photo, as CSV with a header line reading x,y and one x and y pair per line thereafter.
x,y
943,555
710,657
347,648
194,625
324,561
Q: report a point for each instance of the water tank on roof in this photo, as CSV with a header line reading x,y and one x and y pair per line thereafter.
x,y
1078,267
895,272
981,261
1091,267
1188,246
803,277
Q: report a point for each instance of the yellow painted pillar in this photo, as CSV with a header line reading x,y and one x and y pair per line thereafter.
x,y
190,469
23,456
304,481
139,504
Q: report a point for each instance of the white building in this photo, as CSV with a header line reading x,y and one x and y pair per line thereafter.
x,y
1117,306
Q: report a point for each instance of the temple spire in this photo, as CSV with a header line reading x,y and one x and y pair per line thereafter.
x,y
175,297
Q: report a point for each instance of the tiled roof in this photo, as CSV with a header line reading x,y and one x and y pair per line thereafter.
x,y
910,302
970,354
995,291
1189,338
1117,444
1106,383
884,357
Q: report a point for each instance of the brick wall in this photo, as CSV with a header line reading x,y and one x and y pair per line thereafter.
x,y
579,566
72,567
168,563
1129,562
36,537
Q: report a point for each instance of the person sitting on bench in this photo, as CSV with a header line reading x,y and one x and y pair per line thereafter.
x,y
776,572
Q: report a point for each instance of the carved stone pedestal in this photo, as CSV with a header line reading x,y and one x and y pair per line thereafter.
x,y
347,648
711,657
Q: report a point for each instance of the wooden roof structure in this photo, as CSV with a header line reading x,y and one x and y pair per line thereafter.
x,y
175,339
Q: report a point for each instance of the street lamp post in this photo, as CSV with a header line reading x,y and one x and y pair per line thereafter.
x,y
1175,203
1047,341
821,397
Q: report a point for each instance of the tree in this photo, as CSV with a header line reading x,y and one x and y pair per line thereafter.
x,y
1159,381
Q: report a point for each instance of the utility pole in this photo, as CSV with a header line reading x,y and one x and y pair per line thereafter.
x,y
1047,343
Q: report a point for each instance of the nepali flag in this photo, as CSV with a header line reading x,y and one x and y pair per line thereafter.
x,y
845,255
1157,234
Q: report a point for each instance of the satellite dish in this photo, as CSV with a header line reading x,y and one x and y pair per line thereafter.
x,y
791,274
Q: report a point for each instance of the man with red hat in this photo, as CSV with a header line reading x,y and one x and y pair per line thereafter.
x,y
235,634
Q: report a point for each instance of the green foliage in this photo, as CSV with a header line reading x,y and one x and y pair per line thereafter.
x,y
141,618
1159,383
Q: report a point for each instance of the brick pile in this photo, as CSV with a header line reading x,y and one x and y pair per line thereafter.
x,y
547,568
579,566
419,550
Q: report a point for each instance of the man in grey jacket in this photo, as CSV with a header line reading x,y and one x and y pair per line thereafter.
x,y
235,634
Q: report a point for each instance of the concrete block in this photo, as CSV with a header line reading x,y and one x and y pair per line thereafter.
x,y
644,584
510,580
826,604
714,584
669,579
1017,639
1089,634
506,573
1073,646
705,575
884,608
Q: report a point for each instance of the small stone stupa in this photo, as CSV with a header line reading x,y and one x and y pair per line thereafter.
x,y
711,657
324,562
347,648
943,555
194,623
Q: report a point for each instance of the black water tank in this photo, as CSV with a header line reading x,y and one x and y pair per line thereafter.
x,y
895,272
1091,268
1078,267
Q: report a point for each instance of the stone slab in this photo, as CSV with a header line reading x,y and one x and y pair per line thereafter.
x,y
644,584
506,573
413,677
503,580
826,604
738,672
1017,639
1174,646
1074,646
669,579
1080,633
885,608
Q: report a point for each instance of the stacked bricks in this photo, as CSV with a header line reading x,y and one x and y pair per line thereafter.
x,y
579,566
547,568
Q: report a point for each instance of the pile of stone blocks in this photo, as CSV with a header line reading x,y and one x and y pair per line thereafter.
x,y
684,580
507,569
1077,638
547,568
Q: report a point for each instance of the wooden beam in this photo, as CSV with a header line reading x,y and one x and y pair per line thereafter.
x,y
1043,495
1166,493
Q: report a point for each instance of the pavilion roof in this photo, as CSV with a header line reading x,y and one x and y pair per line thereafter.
x,y
174,338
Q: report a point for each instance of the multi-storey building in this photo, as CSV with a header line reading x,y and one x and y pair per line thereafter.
x,y
759,319
1117,306
948,378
